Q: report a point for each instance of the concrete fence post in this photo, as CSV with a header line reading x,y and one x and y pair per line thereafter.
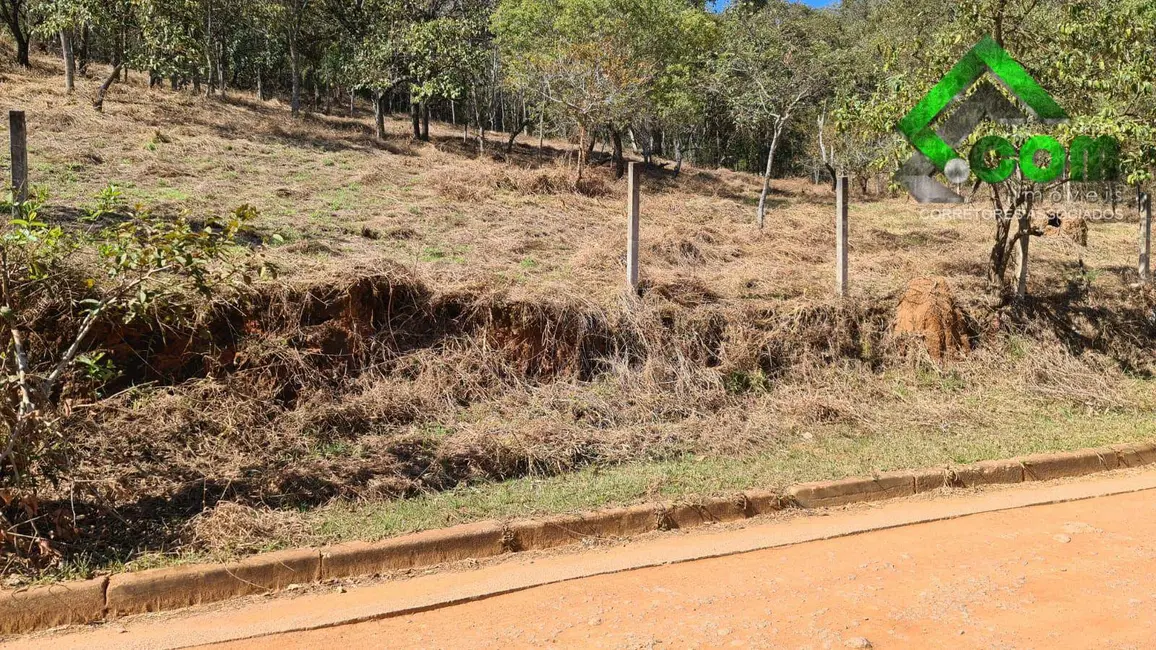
x,y
18,133
632,205
1145,237
841,236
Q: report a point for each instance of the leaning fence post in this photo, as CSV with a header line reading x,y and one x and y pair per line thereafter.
x,y
1145,237
18,132
632,203
841,236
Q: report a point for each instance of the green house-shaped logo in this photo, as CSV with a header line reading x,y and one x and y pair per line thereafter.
x,y
935,149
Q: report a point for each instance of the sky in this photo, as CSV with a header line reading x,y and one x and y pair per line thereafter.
x,y
719,5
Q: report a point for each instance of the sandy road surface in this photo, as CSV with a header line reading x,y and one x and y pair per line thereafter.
x,y
1074,575
1070,564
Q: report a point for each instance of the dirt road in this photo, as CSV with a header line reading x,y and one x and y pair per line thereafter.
x,y
1076,575
1065,565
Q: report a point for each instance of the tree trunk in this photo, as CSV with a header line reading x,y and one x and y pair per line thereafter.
x,y
1025,238
210,51
425,121
762,214
11,13
997,263
295,71
22,59
541,128
210,83
415,118
260,84
69,61
98,102
221,71
478,119
523,122
82,55
619,158
646,151
352,104
582,151
379,106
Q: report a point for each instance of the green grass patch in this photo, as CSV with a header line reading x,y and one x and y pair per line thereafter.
x,y
837,453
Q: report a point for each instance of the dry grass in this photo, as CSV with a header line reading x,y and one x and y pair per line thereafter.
x,y
445,320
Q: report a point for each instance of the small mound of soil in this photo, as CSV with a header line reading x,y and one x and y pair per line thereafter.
x,y
1074,229
928,311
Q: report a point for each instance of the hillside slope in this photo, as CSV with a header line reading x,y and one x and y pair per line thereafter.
x,y
445,319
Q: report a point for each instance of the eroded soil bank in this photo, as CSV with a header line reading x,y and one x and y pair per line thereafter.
x,y
375,387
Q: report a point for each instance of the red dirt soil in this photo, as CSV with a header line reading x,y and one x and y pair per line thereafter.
x,y
928,310
1073,575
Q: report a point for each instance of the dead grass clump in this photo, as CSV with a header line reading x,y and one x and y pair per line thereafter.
x,y
529,182
810,410
230,528
687,291
311,247
928,311
1072,228
377,404
677,251
466,184
474,182
1051,373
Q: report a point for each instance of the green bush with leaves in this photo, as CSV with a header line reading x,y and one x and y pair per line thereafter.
x,y
58,283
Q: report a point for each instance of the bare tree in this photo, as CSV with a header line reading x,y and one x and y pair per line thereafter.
x,y
770,67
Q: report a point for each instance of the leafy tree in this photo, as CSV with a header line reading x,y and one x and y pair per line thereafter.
x,y
63,19
295,19
141,263
597,61
14,13
771,64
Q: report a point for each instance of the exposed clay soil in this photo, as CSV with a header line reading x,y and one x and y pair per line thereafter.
x,y
929,311
1075,575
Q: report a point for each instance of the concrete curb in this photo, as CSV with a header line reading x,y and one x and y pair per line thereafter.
x,y
165,589
38,608
470,541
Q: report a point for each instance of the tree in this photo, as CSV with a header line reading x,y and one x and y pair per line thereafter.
x,y
595,60
141,262
771,64
445,55
680,42
117,18
374,37
63,19
15,16
294,18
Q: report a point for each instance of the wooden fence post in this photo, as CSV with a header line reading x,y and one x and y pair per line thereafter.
x,y
18,132
632,204
841,236
1145,237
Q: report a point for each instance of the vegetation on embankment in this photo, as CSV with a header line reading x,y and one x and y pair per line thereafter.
x,y
449,339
